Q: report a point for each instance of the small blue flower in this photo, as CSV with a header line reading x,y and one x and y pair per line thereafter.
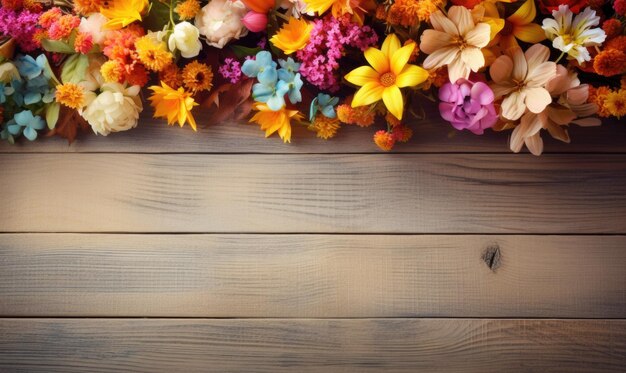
x,y
5,134
324,103
256,67
294,89
289,65
18,92
31,68
272,94
24,122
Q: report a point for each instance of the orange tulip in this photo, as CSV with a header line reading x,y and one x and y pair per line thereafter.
x,y
260,6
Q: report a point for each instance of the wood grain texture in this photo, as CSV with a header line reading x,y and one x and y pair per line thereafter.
x,y
432,135
366,345
390,193
311,276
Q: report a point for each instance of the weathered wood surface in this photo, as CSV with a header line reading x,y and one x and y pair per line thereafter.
x,y
400,193
365,345
312,276
431,136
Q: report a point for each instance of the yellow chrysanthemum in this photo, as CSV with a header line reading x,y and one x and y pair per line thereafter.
x,y
153,53
293,36
187,9
173,104
325,127
615,103
275,121
112,71
70,95
86,7
389,72
197,76
122,13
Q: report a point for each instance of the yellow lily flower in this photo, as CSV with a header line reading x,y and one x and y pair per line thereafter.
x,y
173,104
520,25
275,121
122,13
389,72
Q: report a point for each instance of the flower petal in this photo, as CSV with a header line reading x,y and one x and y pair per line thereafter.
x,y
479,36
513,106
540,75
400,58
520,66
534,143
524,14
392,97
462,18
368,94
531,33
433,40
501,69
537,54
537,99
377,59
473,58
457,69
441,57
411,76
362,75
441,23
390,45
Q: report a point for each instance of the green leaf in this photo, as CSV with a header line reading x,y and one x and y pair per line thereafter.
x,y
57,46
52,114
74,68
158,17
241,51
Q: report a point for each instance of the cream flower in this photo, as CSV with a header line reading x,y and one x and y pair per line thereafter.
x,y
570,104
220,21
115,109
94,26
574,37
185,38
8,72
522,79
456,41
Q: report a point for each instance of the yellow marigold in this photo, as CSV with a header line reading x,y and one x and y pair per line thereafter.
x,y
70,95
615,103
325,127
172,76
384,140
153,53
197,76
275,121
293,36
598,96
187,9
86,7
362,116
409,13
173,104
610,62
112,71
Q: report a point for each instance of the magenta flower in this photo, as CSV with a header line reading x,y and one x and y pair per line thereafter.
x,y
468,105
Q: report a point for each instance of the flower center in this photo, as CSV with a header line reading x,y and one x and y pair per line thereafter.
x,y
388,79
459,42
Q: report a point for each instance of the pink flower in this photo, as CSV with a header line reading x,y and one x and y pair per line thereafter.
x,y
254,21
468,105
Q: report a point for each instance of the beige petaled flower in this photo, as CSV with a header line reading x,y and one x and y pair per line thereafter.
x,y
570,103
521,80
455,41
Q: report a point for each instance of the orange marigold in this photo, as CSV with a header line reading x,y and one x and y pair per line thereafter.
x,y
409,12
610,62
362,116
392,120
12,4
416,50
612,27
615,103
385,140
39,35
171,76
324,127
70,95
136,74
197,76
33,5
402,133
49,16
618,43
112,71
187,9
598,97
86,7
83,43
63,27
381,12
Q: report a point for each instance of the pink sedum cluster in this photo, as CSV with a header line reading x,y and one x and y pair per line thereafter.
x,y
329,39
468,105
231,70
21,26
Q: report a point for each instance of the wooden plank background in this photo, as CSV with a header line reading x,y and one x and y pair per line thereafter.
x,y
161,250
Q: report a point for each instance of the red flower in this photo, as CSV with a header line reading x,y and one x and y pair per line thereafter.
x,y
547,6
